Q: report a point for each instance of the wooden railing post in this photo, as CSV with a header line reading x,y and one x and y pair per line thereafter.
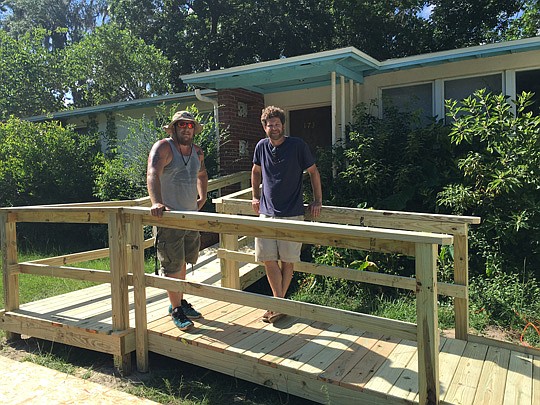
x,y
461,276
8,238
427,320
230,270
119,283
245,183
136,246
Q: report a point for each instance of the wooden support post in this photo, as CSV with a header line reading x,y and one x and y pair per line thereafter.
x,y
228,267
230,274
427,320
461,276
245,183
119,283
8,238
139,286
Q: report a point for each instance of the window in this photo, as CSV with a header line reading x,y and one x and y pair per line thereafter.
x,y
417,98
462,88
530,81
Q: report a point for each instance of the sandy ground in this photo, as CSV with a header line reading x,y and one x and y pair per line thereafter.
x,y
29,383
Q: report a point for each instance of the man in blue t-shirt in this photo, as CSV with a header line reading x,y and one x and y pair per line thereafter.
x,y
279,162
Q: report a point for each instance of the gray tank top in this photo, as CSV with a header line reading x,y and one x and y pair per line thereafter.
x,y
179,180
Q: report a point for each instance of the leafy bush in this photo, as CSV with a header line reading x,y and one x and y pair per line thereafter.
x,y
44,163
508,300
124,176
500,180
391,163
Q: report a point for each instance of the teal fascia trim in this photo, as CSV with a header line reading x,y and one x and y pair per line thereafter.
x,y
295,87
283,74
123,105
297,70
343,71
481,51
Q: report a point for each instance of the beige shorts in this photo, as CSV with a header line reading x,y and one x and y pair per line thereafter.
x,y
273,250
176,246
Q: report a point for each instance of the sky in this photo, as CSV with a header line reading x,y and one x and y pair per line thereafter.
x,y
426,12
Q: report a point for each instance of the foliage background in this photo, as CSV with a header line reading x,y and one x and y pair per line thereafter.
x,y
146,45
57,55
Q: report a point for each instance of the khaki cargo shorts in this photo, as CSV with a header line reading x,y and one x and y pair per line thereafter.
x,y
176,246
273,250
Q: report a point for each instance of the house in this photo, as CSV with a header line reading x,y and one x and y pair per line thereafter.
x,y
117,115
319,91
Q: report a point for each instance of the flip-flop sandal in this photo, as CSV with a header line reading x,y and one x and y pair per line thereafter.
x,y
275,317
266,315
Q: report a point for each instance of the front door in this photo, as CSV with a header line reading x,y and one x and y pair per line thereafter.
x,y
313,125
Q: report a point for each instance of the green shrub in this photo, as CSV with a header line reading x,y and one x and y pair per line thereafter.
x,y
500,181
391,163
44,163
507,300
124,175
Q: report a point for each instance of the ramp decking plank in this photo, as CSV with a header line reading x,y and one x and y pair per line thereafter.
x,y
349,358
519,379
490,389
310,349
336,348
463,386
362,372
295,334
536,380
318,361
386,376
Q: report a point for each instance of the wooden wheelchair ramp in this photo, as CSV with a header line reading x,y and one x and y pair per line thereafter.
x,y
319,361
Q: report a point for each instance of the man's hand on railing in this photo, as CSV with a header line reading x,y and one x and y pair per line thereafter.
x,y
256,204
157,209
315,208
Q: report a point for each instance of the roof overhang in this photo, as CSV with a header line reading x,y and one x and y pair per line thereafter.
x,y
123,105
306,71
473,52
314,70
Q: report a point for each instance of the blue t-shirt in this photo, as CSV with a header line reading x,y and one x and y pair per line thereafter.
x,y
282,168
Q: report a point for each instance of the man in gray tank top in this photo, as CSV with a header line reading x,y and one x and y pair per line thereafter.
x,y
177,180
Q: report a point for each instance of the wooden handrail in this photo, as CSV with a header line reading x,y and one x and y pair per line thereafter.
x,y
414,234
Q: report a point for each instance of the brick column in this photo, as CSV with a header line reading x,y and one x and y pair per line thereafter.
x,y
240,112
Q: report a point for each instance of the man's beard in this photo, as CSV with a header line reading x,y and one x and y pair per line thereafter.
x,y
184,140
276,135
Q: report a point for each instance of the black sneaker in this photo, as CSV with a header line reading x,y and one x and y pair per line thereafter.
x,y
180,319
189,310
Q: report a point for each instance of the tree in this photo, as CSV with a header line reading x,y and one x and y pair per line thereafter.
x,y
65,20
44,163
241,32
526,25
461,23
381,29
200,35
31,78
111,65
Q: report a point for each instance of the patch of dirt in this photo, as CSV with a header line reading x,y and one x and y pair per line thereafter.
x,y
186,381
492,332
85,364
